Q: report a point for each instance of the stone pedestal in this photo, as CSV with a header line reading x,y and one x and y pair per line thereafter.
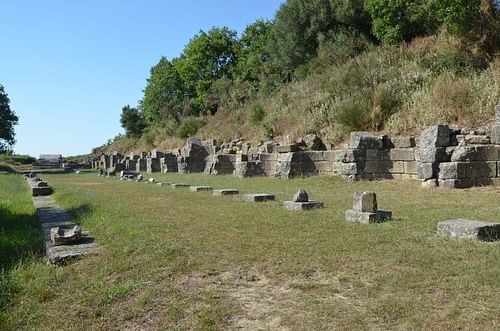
x,y
307,205
366,217
226,192
467,229
259,197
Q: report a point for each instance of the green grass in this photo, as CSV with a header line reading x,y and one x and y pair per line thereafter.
x,y
173,259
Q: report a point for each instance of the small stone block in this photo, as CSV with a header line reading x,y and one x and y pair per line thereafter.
x,y
178,185
200,188
226,192
467,229
296,206
365,202
259,197
367,218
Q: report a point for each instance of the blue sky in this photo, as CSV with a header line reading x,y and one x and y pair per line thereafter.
x,y
69,66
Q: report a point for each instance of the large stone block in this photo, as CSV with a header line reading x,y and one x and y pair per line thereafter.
x,y
468,229
452,170
481,169
427,170
345,155
347,169
435,136
305,205
365,202
486,153
378,155
402,154
410,167
367,218
222,192
384,167
457,183
495,134
258,197
403,142
364,140
314,143
464,154
431,154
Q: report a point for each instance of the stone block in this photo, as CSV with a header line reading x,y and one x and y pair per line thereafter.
x,y
495,134
200,188
307,205
324,166
464,154
258,197
347,168
365,202
313,142
402,154
267,157
431,154
427,170
367,218
179,185
481,169
486,153
497,114
313,155
452,170
225,192
435,136
403,142
364,140
377,155
410,167
457,183
383,167
60,235
477,139
288,148
345,155
468,229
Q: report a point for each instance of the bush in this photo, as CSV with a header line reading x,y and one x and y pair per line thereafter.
x,y
257,114
188,128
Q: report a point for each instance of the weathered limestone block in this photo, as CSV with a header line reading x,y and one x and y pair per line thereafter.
x,y
301,196
403,142
402,154
324,166
486,153
364,140
304,205
427,170
288,148
365,202
495,134
141,165
452,170
314,155
457,183
367,218
153,165
432,154
194,154
464,154
486,169
258,197
200,188
345,155
347,169
157,154
314,143
468,229
435,136
410,167
497,114
477,139
65,236
384,167
378,155
225,192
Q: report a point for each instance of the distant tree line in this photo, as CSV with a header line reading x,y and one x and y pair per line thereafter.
x,y
218,68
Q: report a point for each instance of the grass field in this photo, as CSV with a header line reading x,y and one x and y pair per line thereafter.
x,y
178,260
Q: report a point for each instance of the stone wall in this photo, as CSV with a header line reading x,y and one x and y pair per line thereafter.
x,y
440,156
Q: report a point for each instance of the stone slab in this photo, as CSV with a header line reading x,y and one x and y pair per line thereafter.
x,y
229,191
468,229
258,197
367,218
308,205
200,188
179,185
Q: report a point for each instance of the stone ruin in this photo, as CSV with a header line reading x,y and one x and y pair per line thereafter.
x,y
301,201
37,186
439,156
467,229
365,209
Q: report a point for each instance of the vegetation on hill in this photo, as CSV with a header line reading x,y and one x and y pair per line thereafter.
x,y
329,67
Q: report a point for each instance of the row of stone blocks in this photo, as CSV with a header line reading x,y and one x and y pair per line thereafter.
x,y
37,186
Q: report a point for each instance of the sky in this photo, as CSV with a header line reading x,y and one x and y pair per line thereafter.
x,y
69,66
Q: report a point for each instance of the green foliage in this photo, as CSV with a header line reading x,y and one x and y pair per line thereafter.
x,y
188,127
132,121
207,57
164,91
8,120
301,25
257,114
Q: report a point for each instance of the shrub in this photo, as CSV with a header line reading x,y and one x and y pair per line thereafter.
x,y
257,114
188,127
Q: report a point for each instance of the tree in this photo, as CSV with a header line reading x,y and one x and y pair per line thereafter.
x,y
132,121
207,57
301,24
7,121
164,90
254,56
